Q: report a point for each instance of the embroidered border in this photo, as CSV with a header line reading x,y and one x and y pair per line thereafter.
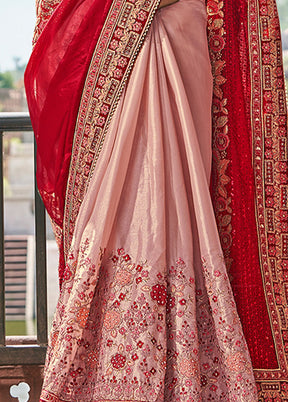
x,y
120,41
44,10
222,199
48,397
269,125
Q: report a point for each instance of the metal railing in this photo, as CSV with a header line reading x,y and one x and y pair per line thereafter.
x,y
24,350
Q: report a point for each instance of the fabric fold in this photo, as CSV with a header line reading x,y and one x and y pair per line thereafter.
x,y
146,311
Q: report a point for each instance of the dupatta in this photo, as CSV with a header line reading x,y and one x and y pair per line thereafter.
x,y
249,179
84,51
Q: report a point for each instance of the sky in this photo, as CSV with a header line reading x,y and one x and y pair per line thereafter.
x,y
17,20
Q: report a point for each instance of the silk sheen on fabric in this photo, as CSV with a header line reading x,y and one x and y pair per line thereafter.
x,y
146,311
132,211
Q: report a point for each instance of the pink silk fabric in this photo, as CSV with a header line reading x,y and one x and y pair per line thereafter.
x,y
146,311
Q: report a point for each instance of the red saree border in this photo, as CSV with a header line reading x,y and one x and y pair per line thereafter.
x,y
269,146
231,135
44,10
120,41
269,129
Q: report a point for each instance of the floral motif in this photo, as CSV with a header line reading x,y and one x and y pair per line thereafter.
x,y
221,197
118,361
188,368
236,362
216,43
214,7
44,10
143,341
159,293
112,319
82,316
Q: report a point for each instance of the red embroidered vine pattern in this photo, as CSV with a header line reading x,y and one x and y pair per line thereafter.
x,y
221,196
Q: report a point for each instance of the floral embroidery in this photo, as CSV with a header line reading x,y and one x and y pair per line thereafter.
x,y
159,293
161,338
118,361
44,10
221,180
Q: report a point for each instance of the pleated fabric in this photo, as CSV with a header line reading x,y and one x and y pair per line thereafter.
x,y
146,311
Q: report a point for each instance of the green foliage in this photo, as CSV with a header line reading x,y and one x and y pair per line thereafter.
x,y
19,328
6,80
14,328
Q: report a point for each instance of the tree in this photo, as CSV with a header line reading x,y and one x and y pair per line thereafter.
x,y
19,67
6,80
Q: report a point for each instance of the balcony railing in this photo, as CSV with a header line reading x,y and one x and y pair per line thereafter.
x,y
23,350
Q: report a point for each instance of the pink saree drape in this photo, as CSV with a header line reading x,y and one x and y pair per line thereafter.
x,y
146,311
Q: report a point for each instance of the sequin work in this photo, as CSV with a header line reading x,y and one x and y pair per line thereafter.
x,y
138,337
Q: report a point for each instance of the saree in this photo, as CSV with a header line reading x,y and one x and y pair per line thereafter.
x,y
120,101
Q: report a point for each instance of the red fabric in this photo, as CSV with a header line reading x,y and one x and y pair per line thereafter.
x,y
245,272
54,81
